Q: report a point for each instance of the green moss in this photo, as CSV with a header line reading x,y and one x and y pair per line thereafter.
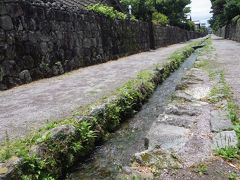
x,y
201,169
202,64
146,158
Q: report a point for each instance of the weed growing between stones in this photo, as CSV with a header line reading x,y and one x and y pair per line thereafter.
x,y
48,153
228,153
201,169
222,91
207,48
232,176
132,178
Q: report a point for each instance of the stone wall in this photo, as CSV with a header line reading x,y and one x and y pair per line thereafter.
x,y
164,36
231,31
45,40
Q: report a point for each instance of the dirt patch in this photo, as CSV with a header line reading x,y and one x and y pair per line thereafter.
x,y
215,169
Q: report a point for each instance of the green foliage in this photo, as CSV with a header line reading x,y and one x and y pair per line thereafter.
x,y
107,11
135,92
202,30
232,176
190,25
159,18
233,111
175,10
112,116
85,130
237,130
231,9
223,91
201,169
179,56
140,8
135,178
228,153
36,168
223,12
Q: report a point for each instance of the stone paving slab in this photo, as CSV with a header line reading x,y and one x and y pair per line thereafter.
x,y
225,139
167,137
220,122
26,108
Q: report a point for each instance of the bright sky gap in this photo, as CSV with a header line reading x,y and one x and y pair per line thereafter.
x,y
200,10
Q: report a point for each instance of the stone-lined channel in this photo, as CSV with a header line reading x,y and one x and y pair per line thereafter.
x,y
109,159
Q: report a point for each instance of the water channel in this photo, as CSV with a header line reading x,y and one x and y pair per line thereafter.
x,y
108,159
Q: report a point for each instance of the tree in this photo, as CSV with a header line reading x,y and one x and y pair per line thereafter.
x,y
231,9
140,8
175,10
223,12
159,18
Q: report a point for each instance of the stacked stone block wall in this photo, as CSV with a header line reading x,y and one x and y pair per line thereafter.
x,y
40,40
230,31
170,35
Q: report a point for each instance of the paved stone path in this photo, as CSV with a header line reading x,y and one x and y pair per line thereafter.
x,y
228,58
25,108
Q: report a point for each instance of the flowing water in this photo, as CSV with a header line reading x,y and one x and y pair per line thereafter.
x,y
108,159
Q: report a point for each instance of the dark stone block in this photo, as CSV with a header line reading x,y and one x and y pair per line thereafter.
x,y
27,62
10,68
10,52
6,23
3,9
25,76
14,10
2,35
36,74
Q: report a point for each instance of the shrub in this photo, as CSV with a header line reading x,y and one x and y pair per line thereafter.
x,y
107,11
159,18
